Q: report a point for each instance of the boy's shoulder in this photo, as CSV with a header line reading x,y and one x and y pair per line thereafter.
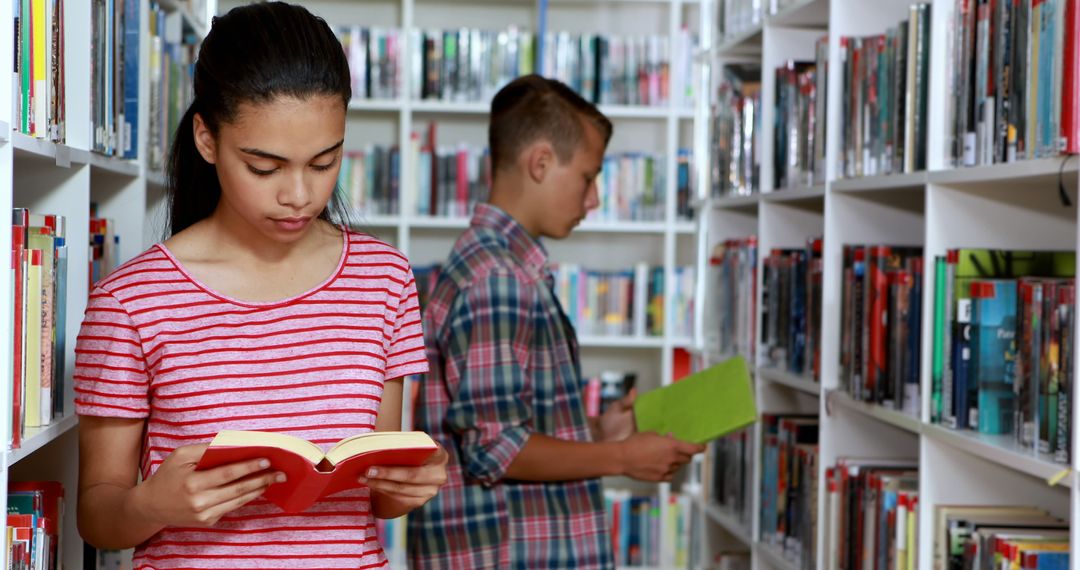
x,y
481,253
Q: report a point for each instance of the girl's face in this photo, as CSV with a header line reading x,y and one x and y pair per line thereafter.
x,y
278,163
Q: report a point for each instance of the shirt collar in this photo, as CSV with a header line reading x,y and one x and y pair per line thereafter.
x,y
524,247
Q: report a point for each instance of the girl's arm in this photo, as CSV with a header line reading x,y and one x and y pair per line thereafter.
x,y
396,491
115,511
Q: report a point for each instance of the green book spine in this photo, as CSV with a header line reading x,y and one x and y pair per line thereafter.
x,y
938,366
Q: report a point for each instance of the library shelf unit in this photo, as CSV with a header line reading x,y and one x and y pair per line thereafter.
x,y
1014,206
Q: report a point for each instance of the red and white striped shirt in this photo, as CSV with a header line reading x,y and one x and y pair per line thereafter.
x,y
158,344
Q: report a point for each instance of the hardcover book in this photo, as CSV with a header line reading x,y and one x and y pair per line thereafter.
x,y
310,473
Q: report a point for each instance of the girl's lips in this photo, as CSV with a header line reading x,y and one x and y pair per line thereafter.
x,y
291,224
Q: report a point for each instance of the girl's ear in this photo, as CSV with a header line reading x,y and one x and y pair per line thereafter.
x,y
204,140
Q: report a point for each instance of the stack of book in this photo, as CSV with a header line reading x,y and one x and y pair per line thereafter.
x,y
881,325
736,126
1013,81
791,309
114,77
374,61
884,102
635,523
789,485
799,156
731,305
39,265
39,71
1003,345
171,75
34,538
871,514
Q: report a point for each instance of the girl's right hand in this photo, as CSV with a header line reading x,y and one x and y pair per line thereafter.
x,y
178,495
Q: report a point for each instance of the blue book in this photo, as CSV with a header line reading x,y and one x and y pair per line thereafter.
x,y
130,125
994,352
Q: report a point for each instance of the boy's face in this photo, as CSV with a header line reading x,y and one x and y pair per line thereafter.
x,y
569,190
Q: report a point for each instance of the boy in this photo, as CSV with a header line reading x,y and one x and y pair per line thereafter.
x,y
504,393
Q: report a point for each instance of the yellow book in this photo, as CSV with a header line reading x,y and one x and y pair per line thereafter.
x,y
40,237
40,38
32,391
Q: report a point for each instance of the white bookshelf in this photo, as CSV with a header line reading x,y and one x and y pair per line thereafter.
x,y
66,179
1008,206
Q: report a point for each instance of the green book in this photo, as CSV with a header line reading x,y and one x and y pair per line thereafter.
x,y
701,407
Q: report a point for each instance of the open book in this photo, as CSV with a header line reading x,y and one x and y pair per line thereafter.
x,y
701,407
310,473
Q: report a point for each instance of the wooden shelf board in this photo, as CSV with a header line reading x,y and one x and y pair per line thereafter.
x,y
782,377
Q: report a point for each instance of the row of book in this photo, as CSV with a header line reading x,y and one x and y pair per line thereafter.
x,y
39,265
791,293
468,64
448,181
789,486
885,101
612,70
373,62
735,129
871,514
38,98
731,302
623,303
1013,79
1003,345
636,526
881,325
34,538
114,77
799,143
990,536
171,69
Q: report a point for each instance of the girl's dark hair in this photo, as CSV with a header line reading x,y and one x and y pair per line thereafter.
x,y
252,55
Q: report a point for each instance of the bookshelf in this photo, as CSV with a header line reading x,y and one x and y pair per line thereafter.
x,y
1013,206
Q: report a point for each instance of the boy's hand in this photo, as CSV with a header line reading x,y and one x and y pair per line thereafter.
x,y
617,421
652,457
410,487
178,495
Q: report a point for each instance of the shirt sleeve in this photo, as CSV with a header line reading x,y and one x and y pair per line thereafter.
x,y
406,354
488,345
110,369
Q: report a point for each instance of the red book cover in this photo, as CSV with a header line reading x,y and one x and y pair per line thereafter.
x,y
310,473
1070,96
18,261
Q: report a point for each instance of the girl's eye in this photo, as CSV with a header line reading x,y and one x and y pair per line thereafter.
x,y
260,172
322,167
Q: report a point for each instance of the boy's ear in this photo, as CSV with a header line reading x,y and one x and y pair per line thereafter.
x,y
204,140
539,159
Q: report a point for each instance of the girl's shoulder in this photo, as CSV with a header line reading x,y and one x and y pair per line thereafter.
x,y
155,260
372,250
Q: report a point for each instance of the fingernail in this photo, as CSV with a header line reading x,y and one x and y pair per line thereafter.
x,y
362,480
280,477
372,472
264,463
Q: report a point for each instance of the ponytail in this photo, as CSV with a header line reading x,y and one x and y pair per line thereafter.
x,y
192,182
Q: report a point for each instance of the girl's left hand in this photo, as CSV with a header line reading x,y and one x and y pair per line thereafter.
x,y
411,487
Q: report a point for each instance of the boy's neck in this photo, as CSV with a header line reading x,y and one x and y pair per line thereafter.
x,y
510,196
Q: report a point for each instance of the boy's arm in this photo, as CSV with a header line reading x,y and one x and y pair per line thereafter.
x,y
488,370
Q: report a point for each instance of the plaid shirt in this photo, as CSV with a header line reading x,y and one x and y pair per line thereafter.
x,y
504,365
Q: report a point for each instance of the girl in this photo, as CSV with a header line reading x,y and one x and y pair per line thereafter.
x,y
258,313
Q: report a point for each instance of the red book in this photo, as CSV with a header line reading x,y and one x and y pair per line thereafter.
x,y
1070,97
18,261
310,473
